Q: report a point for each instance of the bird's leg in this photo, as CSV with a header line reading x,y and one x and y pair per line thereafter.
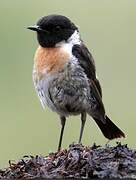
x,y
63,120
83,120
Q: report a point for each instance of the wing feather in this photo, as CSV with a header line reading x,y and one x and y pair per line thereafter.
x,y
87,63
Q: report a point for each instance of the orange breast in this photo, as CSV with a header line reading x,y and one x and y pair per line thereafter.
x,y
50,60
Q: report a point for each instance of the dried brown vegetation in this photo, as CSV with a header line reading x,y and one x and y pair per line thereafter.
x,y
77,161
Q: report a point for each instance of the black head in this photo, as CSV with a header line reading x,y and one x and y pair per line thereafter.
x,y
53,29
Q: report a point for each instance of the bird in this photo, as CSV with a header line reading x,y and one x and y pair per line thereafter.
x,y
64,76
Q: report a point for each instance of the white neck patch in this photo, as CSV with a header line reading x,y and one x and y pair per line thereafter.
x,y
74,39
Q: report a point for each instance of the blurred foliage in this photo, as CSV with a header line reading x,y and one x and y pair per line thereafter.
x,y
108,27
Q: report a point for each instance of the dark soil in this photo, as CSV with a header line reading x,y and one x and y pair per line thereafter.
x,y
77,161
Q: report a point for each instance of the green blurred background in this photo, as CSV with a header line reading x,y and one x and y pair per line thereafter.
x,y
108,27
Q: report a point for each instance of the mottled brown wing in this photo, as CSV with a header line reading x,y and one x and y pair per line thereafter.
x,y
87,63
97,84
108,128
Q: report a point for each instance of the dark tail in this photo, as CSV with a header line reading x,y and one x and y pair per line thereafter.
x,y
109,129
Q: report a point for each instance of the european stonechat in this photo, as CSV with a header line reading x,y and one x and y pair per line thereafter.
x,y
64,75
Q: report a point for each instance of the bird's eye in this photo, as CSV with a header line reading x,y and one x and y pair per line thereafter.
x,y
57,28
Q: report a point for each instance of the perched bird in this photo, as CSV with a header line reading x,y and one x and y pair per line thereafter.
x,y
64,75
